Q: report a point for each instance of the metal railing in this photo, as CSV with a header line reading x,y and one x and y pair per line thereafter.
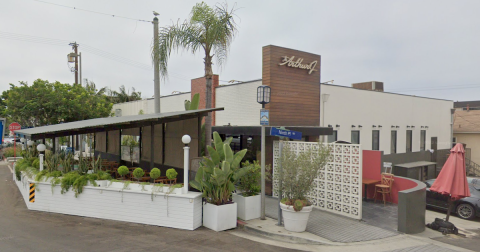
x,y
473,169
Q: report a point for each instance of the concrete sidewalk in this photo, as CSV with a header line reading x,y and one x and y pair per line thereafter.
x,y
330,232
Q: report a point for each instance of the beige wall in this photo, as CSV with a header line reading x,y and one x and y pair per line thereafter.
x,y
100,138
473,142
173,141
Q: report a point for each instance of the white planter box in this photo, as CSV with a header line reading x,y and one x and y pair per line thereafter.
x,y
295,221
219,218
248,208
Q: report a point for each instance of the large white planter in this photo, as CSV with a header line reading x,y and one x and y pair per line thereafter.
x,y
248,208
295,221
219,218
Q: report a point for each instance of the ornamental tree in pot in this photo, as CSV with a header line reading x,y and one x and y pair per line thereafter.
x,y
247,197
122,171
138,173
299,172
216,178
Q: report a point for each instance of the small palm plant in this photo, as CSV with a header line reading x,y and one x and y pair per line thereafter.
x,y
218,174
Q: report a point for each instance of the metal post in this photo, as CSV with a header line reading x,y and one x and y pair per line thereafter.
x,y
41,162
186,152
80,61
156,66
280,192
262,216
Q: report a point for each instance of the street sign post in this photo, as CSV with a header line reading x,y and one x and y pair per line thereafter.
x,y
13,127
286,133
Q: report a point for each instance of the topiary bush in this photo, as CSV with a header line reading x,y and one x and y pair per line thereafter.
x,y
122,170
138,173
171,173
155,173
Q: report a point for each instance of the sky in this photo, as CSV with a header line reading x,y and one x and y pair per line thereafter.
x,y
423,48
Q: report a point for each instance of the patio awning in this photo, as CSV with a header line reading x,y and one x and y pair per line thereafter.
x,y
109,123
415,164
256,130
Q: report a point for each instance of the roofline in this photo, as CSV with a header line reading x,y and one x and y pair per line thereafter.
x,y
234,84
386,92
467,132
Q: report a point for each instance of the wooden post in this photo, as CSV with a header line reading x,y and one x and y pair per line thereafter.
x,y
152,145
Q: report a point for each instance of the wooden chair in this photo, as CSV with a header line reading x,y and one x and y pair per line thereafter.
x,y
385,187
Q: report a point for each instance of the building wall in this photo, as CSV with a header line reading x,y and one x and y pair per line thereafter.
x,y
348,106
240,103
473,142
199,85
168,103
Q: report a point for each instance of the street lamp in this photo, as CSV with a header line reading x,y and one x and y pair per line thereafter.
x,y
263,97
22,140
186,140
41,148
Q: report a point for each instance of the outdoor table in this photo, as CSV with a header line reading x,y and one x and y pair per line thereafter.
x,y
368,182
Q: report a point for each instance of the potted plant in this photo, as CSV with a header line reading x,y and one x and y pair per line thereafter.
x,y
122,171
248,198
154,174
216,178
299,172
138,173
172,175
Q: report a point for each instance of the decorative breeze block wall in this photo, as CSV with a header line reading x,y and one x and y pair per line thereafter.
x,y
338,187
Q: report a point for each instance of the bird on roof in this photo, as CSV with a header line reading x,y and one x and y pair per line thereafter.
x,y
156,13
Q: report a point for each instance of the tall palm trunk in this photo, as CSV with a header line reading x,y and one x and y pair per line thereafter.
x,y
208,100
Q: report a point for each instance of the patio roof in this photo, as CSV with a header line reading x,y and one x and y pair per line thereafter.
x,y
109,123
256,130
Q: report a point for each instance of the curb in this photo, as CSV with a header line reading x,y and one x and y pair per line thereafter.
x,y
279,237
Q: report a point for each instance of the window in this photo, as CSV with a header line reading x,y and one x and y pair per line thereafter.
x,y
376,140
393,143
409,141
355,137
333,137
423,139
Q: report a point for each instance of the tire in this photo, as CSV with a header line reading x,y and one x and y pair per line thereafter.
x,y
465,211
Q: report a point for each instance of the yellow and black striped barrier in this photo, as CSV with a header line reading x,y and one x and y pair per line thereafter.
x,y
32,193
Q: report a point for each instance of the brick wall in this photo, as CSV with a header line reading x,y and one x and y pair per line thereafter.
x,y
199,85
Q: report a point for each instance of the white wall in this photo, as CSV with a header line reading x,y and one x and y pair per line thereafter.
x,y
240,103
348,106
169,103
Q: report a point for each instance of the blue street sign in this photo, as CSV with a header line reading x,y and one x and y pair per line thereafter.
x,y
264,117
286,133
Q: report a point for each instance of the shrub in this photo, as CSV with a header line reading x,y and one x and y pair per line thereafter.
x,y
249,184
122,170
8,152
155,173
138,173
171,173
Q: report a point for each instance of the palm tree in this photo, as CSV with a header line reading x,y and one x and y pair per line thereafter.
x,y
210,29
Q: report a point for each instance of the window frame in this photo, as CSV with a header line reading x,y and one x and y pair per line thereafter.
x,y
351,138
377,133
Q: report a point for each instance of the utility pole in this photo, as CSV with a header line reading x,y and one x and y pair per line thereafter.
x,y
75,48
156,65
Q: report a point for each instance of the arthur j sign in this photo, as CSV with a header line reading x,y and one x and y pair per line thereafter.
x,y
289,61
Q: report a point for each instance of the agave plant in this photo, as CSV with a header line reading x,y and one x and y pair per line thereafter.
x,y
218,174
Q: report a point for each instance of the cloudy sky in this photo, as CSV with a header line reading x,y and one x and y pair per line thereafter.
x,y
424,48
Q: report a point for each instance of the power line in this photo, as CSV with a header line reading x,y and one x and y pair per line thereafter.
x,y
96,12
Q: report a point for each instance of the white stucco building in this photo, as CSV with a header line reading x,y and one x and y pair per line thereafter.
x,y
392,123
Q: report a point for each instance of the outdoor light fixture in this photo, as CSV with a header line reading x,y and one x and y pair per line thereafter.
x,y
359,126
29,142
22,140
426,127
330,126
374,126
412,126
186,153
398,126
353,126
393,126
379,126
421,127
408,126
263,95
338,125
41,147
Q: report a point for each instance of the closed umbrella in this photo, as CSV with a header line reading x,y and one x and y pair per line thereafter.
x,y
452,180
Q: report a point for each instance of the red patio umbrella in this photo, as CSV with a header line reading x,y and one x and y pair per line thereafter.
x,y
452,180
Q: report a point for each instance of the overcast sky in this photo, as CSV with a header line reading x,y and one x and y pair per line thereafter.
x,y
424,48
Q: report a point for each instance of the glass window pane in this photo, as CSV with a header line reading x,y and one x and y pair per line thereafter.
x,y
393,143
376,140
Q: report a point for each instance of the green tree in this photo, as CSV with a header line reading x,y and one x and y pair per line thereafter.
x,y
45,103
124,95
209,29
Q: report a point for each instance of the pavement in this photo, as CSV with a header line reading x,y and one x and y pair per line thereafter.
x,y
24,230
